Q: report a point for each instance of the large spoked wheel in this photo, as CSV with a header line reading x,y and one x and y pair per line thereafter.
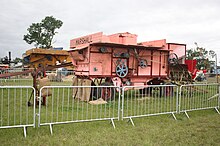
x,y
121,70
173,59
107,93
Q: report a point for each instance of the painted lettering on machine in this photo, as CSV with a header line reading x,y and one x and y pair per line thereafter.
x,y
83,40
77,42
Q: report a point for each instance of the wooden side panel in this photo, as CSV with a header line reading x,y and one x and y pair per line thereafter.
x,y
100,64
156,63
145,55
164,63
179,50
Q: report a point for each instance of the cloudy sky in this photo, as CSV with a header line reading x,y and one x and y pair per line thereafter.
x,y
179,21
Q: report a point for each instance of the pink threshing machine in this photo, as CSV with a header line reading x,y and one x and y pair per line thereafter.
x,y
119,60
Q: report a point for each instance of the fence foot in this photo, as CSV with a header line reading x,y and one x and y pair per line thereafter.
x,y
113,124
25,132
217,110
186,114
130,119
51,129
174,116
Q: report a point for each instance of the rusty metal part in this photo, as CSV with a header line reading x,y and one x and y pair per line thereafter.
x,y
42,69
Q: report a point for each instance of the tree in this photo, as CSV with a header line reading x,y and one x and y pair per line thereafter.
x,y
41,34
201,55
16,60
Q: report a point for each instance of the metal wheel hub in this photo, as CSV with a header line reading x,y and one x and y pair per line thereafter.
x,y
121,70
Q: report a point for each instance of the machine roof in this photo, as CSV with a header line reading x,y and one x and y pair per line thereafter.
x,y
117,45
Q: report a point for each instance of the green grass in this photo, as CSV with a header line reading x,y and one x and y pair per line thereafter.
x,y
16,82
199,97
13,106
201,129
29,82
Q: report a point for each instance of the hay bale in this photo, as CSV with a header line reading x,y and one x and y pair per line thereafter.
x,y
44,82
52,76
98,101
80,93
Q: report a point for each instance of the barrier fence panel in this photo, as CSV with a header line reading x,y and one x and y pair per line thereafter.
x,y
141,101
198,97
69,104
14,109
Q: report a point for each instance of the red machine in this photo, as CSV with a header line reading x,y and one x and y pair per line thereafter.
x,y
118,58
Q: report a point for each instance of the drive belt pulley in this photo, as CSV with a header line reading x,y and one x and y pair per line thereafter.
x,y
121,69
173,59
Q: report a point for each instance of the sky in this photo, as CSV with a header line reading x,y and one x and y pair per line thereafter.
x,y
177,21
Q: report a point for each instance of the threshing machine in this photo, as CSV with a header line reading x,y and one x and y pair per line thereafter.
x,y
120,60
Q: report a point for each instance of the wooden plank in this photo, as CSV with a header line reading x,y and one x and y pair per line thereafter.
x,y
46,51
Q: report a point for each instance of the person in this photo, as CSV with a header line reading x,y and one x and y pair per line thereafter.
x,y
59,72
200,76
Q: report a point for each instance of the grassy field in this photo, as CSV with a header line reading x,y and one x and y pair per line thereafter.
x,y
201,129
29,82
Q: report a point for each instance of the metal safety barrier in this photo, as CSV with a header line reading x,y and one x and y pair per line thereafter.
x,y
14,108
141,101
70,104
198,97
